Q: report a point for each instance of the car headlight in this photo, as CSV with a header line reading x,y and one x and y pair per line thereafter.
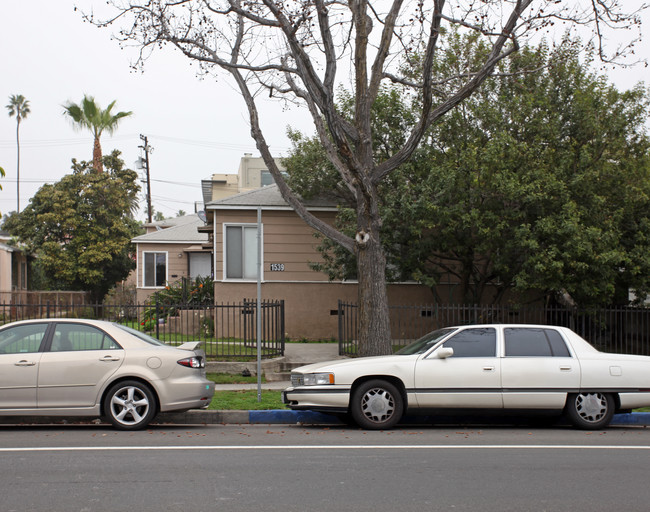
x,y
311,379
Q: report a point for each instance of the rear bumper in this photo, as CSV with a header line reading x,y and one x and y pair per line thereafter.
x,y
183,395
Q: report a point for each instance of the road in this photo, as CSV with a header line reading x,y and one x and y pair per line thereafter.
x,y
311,469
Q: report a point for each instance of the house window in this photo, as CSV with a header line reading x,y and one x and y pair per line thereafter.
x,y
155,269
266,178
241,252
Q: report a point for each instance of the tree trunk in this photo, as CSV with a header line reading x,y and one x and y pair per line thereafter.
x,y
18,165
374,322
97,156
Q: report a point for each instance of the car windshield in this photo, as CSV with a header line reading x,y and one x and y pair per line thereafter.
x,y
426,342
144,337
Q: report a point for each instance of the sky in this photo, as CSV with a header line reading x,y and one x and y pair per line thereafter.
x,y
196,127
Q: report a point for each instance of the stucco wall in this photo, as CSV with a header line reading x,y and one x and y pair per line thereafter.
x,y
311,308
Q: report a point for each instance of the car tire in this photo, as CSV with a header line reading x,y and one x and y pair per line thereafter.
x,y
130,405
376,404
589,411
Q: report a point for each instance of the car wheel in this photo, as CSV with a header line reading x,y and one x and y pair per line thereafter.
x,y
590,410
130,405
376,404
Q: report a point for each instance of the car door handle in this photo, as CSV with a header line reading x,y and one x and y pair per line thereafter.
x,y
565,368
488,368
108,359
25,363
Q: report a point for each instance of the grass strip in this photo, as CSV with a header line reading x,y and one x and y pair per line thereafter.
x,y
246,400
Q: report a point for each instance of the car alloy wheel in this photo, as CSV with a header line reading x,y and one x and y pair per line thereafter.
x,y
590,410
377,404
130,405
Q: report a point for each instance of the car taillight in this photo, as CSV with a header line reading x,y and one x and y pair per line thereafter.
x,y
192,362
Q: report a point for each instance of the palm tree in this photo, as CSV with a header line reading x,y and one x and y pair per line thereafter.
x,y
18,106
90,116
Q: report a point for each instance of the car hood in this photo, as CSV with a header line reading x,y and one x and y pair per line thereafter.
x,y
358,361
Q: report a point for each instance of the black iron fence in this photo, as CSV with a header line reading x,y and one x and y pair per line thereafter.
x,y
228,331
623,330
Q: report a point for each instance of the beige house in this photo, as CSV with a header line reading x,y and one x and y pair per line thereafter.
x,y
251,174
288,247
171,249
14,268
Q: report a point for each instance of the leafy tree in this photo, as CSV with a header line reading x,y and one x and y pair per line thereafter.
x,y
81,227
88,115
301,51
538,182
19,107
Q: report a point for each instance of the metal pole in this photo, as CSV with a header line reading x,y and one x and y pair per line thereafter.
x,y
259,303
147,148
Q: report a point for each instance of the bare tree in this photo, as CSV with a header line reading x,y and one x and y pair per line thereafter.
x,y
302,50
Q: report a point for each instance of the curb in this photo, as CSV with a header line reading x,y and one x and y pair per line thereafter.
x,y
289,417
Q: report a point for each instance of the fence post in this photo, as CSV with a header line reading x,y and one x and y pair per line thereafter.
x,y
340,320
156,314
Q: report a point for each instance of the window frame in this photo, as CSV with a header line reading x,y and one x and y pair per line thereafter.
x,y
79,327
144,270
549,342
243,226
462,332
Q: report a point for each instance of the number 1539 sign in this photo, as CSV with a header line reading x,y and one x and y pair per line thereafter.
x,y
277,267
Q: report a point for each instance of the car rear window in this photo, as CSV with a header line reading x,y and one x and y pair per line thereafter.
x,y
144,337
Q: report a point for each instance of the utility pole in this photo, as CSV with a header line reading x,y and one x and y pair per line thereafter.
x,y
147,148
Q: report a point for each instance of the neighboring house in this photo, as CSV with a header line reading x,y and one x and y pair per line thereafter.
x,y
170,250
252,174
14,268
288,247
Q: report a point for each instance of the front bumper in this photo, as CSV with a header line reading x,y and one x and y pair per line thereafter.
x,y
317,398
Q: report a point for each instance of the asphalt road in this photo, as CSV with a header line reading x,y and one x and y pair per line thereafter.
x,y
295,468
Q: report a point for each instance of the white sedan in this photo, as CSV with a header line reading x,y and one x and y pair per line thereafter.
x,y
65,367
518,368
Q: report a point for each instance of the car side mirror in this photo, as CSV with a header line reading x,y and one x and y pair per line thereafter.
x,y
444,352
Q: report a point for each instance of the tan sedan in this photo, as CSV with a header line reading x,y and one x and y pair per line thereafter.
x,y
73,367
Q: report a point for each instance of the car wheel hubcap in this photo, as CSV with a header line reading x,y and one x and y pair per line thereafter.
x,y
591,407
129,405
378,405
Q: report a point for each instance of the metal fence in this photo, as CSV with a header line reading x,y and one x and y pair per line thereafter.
x,y
228,330
623,330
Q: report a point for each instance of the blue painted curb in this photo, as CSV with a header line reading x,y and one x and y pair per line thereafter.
x,y
283,416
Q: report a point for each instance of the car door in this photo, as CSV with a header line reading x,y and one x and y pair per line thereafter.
x,y
537,369
20,354
469,378
80,359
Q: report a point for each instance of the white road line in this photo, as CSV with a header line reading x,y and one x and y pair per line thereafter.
x,y
322,447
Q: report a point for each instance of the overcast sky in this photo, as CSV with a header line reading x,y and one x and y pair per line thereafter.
x,y
197,128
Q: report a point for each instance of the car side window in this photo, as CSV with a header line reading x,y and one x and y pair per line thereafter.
x,y
74,337
534,342
480,342
22,338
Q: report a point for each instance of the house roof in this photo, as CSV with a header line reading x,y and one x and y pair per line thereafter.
x,y
269,198
180,230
